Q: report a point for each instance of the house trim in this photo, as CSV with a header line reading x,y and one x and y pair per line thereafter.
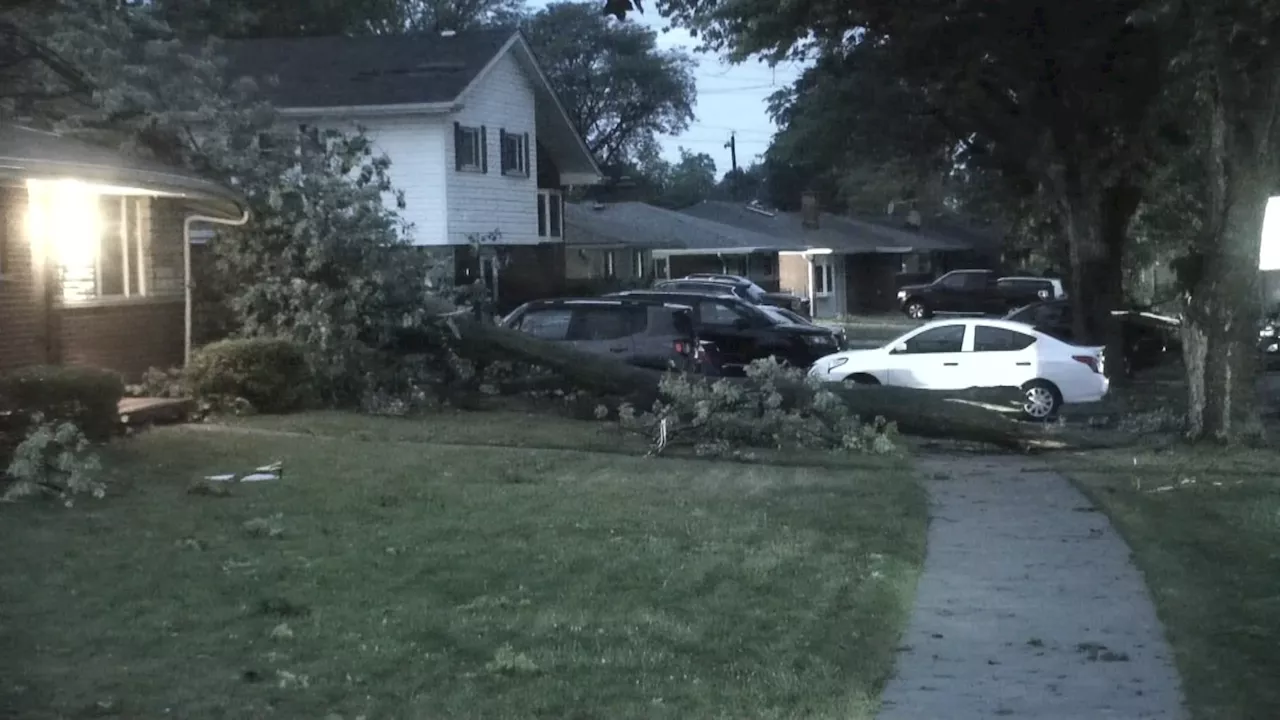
x,y
437,108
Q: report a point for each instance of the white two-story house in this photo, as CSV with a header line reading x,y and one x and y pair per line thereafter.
x,y
478,141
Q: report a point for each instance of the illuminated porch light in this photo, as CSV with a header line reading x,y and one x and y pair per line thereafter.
x,y
1269,253
64,220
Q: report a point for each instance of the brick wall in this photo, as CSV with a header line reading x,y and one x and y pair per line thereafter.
x,y
21,323
127,338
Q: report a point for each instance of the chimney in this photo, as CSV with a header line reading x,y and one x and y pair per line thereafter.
x,y
809,209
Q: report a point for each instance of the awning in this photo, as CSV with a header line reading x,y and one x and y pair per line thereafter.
x,y
29,154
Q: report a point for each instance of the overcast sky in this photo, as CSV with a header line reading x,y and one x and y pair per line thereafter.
x,y
730,97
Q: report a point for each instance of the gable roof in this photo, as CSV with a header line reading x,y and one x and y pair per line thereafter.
x,y
834,232
637,224
368,70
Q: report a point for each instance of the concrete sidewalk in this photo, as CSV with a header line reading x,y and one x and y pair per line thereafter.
x,y
1029,607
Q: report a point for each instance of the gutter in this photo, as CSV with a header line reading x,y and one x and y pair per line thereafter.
x,y
435,108
186,270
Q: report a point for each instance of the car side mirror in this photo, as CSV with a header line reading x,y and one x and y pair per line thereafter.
x,y
899,349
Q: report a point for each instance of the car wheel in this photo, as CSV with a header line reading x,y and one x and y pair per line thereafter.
x,y
916,310
860,379
1041,400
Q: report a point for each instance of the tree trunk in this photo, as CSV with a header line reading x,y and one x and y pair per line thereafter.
x,y
1220,324
1095,220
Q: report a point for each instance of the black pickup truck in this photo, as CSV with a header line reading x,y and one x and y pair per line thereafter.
x,y
975,292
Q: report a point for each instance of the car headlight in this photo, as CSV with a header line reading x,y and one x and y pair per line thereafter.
x,y
820,339
836,363
1268,331
902,294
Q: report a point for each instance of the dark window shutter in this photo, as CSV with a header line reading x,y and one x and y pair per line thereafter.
x,y
457,146
484,151
527,170
502,150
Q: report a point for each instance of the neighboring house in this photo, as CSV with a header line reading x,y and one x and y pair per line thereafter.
x,y
478,141
92,264
618,240
843,265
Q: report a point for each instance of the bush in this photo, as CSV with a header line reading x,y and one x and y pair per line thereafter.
x,y
54,459
721,418
86,397
157,383
269,374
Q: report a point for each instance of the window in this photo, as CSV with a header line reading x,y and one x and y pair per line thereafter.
x,y
637,263
1043,288
546,323
662,267
823,277
515,153
550,213
605,323
718,313
610,264
994,339
945,339
111,259
471,151
960,280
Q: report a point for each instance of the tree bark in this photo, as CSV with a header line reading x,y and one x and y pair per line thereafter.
x,y
1224,303
1095,221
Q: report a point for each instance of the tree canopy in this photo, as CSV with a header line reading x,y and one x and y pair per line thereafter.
x,y
619,88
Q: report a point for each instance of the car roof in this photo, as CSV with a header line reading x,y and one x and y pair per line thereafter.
x,y
682,293
605,301
990,322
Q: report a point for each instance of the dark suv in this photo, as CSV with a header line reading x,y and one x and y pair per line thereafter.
x,y
1149,339
646,333
741,332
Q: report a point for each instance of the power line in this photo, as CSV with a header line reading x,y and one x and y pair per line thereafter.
x,y
744,88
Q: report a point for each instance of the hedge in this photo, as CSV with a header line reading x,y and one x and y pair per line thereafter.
x,y
88,397
271,374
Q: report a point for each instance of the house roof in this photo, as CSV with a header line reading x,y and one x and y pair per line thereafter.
x,y
637,224
345,71
834,232
398,74
29,154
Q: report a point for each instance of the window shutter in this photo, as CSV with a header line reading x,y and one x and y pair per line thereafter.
x,y
457,146
527,169
502,149
484,151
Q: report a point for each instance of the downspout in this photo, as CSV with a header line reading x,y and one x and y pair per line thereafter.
x,y
186,271
813,299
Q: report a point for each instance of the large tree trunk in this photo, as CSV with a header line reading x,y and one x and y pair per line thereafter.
x,y
1095,220
1220,325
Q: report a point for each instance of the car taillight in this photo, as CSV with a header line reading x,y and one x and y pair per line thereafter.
x,y
683,348
1089,360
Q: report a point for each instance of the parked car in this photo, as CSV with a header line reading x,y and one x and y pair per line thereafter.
x,y
741,332
975,292
783,315
967,353
739,286
657,334
1269,341
1149,339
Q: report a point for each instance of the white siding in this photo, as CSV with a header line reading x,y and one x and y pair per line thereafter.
x,y
484,202
419,148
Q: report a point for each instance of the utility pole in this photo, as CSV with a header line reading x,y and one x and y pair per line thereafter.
x,y
733,151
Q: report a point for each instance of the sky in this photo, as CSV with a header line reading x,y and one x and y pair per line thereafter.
x,y
730,98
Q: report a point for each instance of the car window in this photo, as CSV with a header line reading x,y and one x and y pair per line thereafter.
x,y
993,339
604,323
976,281
712,312
1052,315
953,281
546,323
945,339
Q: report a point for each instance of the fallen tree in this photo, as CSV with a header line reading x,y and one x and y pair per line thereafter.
x,y
980,415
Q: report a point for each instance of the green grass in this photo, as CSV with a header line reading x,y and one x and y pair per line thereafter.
x,y
1205,529
393,578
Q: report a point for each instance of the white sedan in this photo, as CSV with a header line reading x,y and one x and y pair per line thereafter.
x,y
967,353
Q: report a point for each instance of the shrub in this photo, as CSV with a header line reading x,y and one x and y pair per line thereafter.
x,y
270,374
86,397
53,459
722,417
157,383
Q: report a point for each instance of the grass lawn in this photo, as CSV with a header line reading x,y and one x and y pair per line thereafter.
x,y
391,577
1210,549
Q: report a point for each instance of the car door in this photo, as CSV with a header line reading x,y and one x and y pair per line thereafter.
x,y
1001,357
932,359
945,294
732,332
604,330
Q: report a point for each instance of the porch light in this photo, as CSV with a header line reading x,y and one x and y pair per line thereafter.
x,y
63,216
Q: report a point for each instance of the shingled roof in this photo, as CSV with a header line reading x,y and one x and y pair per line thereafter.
x,y
637,224
343,71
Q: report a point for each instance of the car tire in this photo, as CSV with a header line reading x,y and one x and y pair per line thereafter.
x,y
916,310
1041,400
860,379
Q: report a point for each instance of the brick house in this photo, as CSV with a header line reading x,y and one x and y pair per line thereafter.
x,y
478,140
92,264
